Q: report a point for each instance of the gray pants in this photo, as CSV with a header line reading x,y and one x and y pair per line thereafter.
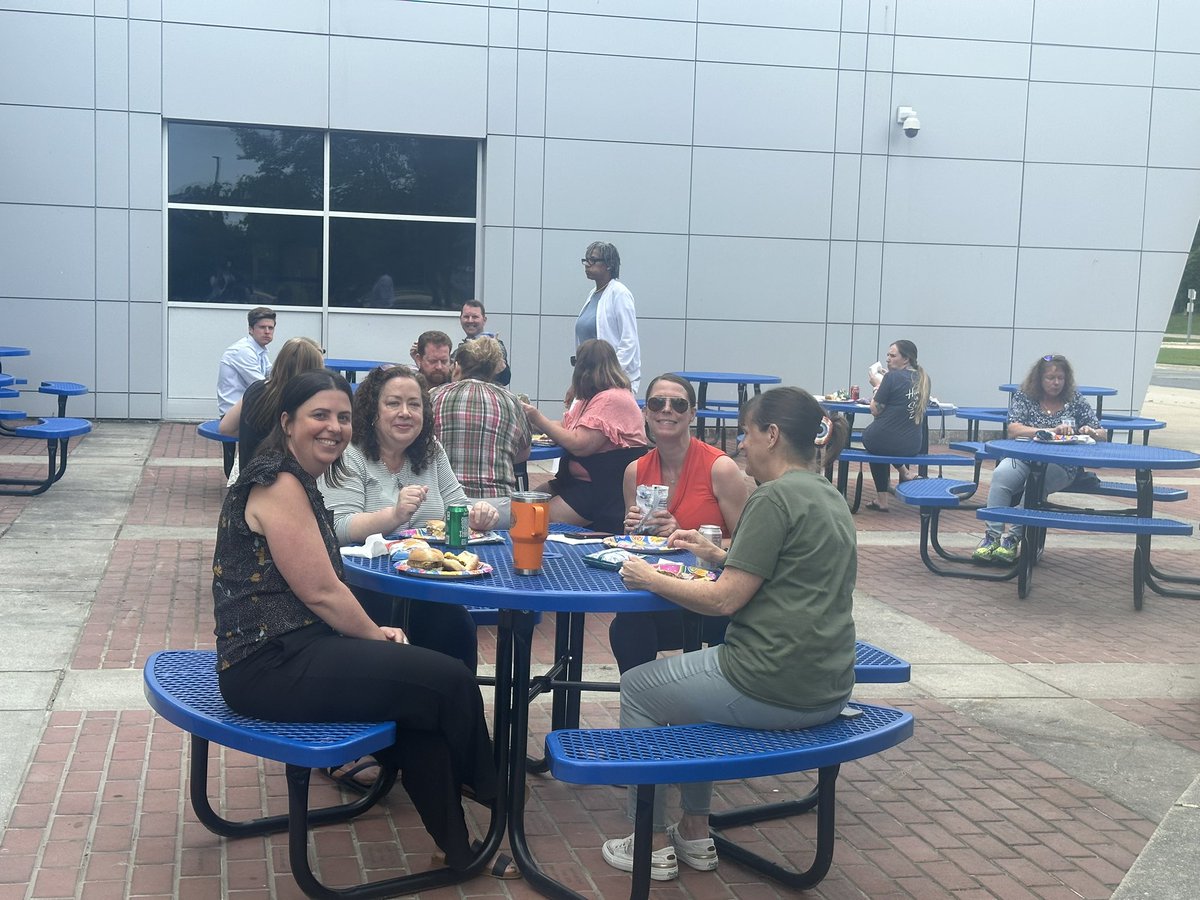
x,y
681,690
1008,481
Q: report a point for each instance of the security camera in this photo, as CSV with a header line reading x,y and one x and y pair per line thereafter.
x,y
906,117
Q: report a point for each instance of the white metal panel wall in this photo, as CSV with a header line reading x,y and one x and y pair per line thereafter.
x,y
742,154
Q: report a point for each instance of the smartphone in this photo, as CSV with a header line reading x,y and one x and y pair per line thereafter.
x,y
585,535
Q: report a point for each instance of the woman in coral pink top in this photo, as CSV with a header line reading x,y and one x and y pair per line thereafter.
x,y
706,488
602,431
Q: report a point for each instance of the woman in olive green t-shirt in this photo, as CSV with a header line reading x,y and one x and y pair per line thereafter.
x,y
787,586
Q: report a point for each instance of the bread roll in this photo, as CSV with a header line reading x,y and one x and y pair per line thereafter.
x,y
452,562
469,560
425,558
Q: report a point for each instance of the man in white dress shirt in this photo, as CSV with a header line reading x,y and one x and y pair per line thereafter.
x,y
243,363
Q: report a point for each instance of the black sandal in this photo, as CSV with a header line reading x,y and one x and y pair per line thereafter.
x,y
347,774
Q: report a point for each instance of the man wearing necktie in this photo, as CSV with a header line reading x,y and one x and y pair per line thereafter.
x,y
243,363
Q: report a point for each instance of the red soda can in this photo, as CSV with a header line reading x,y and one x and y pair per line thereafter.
x,y
854,392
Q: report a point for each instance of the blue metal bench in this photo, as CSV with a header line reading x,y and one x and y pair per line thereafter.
x,y
646,757
931,496
57,434
720,416
63,390
181,686
922,460
212,431
1081,521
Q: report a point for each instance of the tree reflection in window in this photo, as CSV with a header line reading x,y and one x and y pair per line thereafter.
x,y
383,252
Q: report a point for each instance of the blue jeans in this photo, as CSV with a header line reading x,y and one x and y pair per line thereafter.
x,y
689,688
1008,482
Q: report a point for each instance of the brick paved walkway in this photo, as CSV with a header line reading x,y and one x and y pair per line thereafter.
x,y
962,810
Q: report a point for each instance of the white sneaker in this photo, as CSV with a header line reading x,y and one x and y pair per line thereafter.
x,y
699,854
618,853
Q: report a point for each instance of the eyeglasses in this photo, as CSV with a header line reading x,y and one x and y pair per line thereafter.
x,y
1054,357
658,404
590,260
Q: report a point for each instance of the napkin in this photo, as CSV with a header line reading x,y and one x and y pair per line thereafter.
x,y
373,546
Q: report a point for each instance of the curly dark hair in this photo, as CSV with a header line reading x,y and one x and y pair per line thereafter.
x,y
366,413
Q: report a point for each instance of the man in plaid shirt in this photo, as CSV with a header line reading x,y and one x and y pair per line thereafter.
x,y
481,425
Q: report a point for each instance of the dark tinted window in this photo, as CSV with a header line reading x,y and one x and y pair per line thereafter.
x,y
402,175
400,265
231,165
250,258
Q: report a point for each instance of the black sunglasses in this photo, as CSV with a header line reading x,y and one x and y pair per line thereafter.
x,y
658,404
1054,357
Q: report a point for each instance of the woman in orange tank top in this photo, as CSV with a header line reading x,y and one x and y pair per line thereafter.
x,y
706,487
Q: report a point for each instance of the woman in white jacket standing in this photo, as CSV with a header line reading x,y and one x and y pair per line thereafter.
x,y
609,313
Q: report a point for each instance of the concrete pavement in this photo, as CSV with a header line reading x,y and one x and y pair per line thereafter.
x,y
1057,751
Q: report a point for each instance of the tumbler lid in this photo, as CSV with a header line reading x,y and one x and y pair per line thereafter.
x,y
530,497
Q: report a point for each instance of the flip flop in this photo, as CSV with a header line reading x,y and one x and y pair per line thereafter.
x,y
502,866
875,507
358,775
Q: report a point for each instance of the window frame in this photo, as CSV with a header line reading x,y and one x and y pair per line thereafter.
x,y
326,215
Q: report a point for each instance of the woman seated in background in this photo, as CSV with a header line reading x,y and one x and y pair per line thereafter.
x,y
899,406
602,432
254,415
706,487
481,425
1047,400
294,645
398,476
787,587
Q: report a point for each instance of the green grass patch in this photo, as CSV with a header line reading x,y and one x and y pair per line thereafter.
x,y
1179,356
1177,324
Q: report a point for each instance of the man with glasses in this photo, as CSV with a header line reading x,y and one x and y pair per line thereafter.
x,y
432,357
609,313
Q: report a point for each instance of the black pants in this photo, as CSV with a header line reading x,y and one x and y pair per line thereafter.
x,y
442,743
636,638
444,627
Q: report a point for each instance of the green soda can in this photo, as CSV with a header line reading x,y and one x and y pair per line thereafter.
x,y
458,529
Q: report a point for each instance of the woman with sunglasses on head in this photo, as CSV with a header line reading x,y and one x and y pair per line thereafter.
x,y
294,645
705,487
898,405
1047,399
602,432
787,587
398,476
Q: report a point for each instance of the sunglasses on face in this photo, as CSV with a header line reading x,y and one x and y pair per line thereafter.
x,y
658,404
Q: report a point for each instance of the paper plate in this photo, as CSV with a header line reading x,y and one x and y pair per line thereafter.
x,y
641,543
477,537
403,568
685,573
